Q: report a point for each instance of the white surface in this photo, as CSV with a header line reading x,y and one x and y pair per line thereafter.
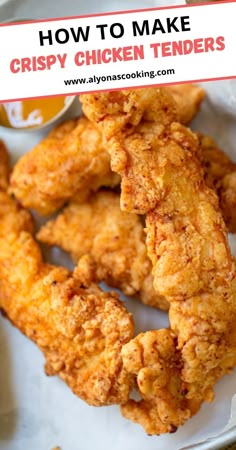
x,y
39,413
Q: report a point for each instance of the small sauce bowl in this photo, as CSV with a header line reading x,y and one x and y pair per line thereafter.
x,y
33,114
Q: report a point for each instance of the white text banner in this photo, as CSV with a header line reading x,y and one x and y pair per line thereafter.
x,y
117,50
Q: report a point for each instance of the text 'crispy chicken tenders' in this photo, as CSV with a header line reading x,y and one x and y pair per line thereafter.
x,y
70,162
79,328
113,238
159,161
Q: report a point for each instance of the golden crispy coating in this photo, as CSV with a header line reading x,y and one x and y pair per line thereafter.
x,y
123,109
15,217
186,221
220,174
216,163
39,188
205,326
152,358
4,166
227,195
162,176
63,129
160,166
188,98
113,238
70,162
79,328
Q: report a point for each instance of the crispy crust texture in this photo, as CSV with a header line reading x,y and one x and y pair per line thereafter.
x,y
86,334
220,175
114,239
79,328
188,98
152,358
4,167
160,166
70,162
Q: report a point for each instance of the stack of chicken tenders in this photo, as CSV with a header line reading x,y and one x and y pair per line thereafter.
x,y
144,204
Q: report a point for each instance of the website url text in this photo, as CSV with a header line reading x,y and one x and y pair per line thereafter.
x,y
124,76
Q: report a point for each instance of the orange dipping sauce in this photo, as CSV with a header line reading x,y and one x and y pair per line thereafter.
x,y
31,113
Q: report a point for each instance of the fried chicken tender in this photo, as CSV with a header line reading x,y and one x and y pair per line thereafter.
x,y
220,174
159,161
162,175
74,154
4,166
15,218
114,239
79,328
153,359
188,98
70,162
228,200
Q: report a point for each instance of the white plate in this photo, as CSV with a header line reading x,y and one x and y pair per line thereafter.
x,y
37,412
